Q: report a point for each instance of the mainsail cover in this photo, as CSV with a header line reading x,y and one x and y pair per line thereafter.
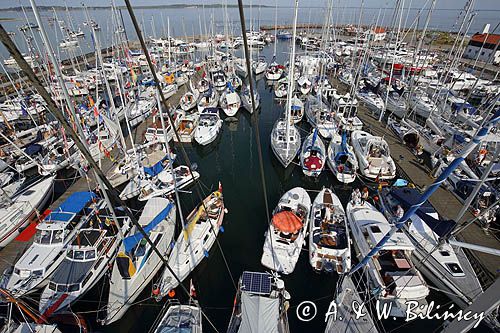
x,y
131,241
71,206
259,314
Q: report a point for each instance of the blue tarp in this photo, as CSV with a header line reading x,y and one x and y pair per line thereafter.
x,y
155,169
72,205
408,197
131,241
33,149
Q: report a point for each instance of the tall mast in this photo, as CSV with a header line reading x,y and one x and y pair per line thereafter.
x,y
291,81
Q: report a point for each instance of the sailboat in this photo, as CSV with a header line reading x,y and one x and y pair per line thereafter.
x,y
313,155
342,160
189,100
287,231
296,109
246,99
181,317
52,236
136,263
260,65
285,137
21,207
260,304
392,276
329,241
230,101
209,99
321,117
163,183
447,267
85,262
195,241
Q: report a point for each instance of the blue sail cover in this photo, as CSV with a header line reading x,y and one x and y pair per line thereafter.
x,y
131,241
409,197
33,149
156,168
72,205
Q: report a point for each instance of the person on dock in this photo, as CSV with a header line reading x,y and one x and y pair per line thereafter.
x,y
419,151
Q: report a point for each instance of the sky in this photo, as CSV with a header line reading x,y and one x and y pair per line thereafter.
x,y
446,4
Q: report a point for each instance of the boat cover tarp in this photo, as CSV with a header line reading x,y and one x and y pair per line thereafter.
x,y
70,271
72,205
131,241
258,314
409,197
232,98
287,221
156,168
33,149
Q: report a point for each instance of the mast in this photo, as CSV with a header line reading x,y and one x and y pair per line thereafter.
x,y
275,28
291,81
480,135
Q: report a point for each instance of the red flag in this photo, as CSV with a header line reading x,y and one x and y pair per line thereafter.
x,y
192,291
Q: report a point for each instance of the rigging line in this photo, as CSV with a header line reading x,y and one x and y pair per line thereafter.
x,y
255,114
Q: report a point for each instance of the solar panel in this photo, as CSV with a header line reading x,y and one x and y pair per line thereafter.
x,y
257,283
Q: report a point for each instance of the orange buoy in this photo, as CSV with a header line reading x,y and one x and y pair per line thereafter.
x,y
171,293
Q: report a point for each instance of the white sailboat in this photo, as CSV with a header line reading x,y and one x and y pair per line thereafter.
x,y
230,102
246,99
19,209
329,241
287,231
195,241
181,317
321,116
56,231
342,160
163,183
391,273
313,155
136,263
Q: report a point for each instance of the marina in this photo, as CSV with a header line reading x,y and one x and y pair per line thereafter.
x,y
219,181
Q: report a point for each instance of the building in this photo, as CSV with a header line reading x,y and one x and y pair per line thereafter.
x,y
482,46
376,34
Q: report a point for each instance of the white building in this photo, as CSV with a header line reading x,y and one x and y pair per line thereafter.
x,y
376,34
482,46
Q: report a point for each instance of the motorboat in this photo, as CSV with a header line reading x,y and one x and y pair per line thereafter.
x,y
286,234
373,155
187,123
209,126
329,241
313,155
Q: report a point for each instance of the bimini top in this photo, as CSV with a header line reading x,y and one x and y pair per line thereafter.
x,y
70,207
287,221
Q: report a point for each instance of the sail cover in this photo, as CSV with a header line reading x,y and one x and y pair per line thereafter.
x,y
131,241
259,314
71,206
156,168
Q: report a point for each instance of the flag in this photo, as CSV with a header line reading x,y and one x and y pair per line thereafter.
x,y
192,290
91,101
204,74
